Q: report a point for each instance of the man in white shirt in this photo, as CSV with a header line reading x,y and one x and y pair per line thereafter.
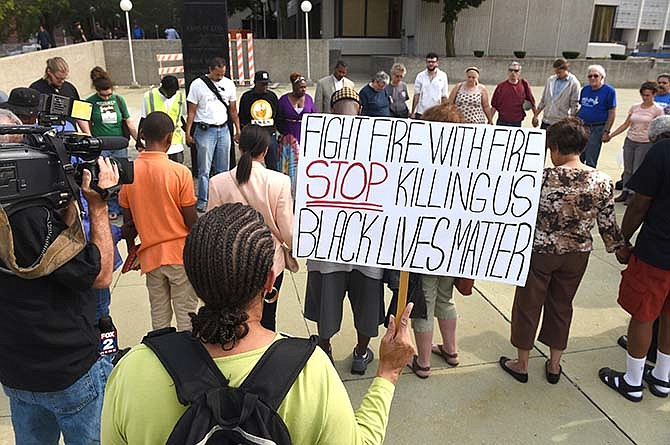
x,y
431,87
210,113
168,99
326,86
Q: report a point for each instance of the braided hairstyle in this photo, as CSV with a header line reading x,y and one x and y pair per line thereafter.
x,y
227,257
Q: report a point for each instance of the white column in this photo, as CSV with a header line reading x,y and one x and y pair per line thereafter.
x,y
525,26
639,24
488,39
558,33
665,27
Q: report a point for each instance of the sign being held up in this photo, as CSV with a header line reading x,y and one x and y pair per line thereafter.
x,y
427,197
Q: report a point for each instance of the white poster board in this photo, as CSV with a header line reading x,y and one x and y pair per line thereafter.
x,y
427,197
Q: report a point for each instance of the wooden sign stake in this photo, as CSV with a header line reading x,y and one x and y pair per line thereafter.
x,y
402,297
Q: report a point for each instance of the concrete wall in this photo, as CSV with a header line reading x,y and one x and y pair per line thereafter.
x,y
24,69
144,52
620,74
499,26
279,57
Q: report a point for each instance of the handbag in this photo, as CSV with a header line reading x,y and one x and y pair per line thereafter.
x,y
290,262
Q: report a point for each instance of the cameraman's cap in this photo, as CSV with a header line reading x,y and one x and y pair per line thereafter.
x,y
262,77
23,101
344,93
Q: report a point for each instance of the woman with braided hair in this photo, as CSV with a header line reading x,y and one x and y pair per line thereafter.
x,y
265,190
228,258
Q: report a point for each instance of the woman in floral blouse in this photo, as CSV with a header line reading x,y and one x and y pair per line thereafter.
x,y
574,197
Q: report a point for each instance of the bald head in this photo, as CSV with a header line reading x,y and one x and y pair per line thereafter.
x,y
7,118
346,106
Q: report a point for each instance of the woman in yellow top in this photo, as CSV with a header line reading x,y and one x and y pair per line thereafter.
x,y
228,258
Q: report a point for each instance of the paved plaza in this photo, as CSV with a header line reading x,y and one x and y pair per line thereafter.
x,y
476,402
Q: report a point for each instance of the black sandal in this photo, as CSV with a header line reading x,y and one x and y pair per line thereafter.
x,y
416,368
653,382
607,376
552,378
519,376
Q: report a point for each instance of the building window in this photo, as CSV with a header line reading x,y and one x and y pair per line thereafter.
x,y
603,21
368,18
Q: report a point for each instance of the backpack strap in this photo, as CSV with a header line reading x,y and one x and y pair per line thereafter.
x,y
187,361
275,372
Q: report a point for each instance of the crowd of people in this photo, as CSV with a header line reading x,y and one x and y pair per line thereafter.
x,y
215,257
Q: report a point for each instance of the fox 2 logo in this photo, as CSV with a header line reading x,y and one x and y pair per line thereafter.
x,y
108,343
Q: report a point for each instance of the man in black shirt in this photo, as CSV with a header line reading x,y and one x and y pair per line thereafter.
x,y
49,363
259,106
644,291
54,82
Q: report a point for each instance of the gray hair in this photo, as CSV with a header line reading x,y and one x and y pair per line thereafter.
x,y
398,68
8,118
381,76
514,64
598,69
659,127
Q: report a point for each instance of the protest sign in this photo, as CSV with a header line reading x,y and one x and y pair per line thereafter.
x,y
427,197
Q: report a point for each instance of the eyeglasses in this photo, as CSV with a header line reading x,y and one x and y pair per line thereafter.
x,y
513,71
105,96
593,76
60,78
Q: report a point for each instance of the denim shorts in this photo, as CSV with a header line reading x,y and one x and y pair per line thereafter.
x,y
41,417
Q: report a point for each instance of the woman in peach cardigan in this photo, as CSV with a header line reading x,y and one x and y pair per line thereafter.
x,y
267,191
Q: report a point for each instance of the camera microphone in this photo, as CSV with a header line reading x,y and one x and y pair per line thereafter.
x,y
100,143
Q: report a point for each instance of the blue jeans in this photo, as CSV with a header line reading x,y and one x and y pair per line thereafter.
x,y
508,124
591,152
113,204
39,418
271,160
213,147
103,298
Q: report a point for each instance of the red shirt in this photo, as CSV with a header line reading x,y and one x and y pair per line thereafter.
x,y
508,100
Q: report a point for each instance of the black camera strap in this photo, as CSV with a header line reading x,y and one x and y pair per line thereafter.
x,y
68,167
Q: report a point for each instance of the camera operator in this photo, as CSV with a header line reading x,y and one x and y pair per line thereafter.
x,y
54,82
49,363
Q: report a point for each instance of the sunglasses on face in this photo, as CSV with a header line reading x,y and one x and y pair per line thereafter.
x,y
593,76
513,71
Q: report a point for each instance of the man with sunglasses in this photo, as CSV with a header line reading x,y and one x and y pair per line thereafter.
x,y
512,98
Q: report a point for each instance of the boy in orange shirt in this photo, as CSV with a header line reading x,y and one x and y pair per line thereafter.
x,y
160,207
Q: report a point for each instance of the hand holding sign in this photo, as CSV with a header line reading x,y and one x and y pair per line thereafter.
x,y
396,347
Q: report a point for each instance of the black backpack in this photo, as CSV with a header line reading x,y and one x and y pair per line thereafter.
x,y
219,414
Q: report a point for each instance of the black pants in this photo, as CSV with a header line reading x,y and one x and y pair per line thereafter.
x,y
177,157
269,319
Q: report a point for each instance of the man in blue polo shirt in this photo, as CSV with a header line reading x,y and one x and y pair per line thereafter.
x,y
597,108
662,97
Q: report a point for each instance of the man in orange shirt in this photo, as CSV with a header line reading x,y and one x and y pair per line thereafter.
x,y
160,207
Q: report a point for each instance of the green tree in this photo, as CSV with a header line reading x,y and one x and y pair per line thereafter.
x,y
450,11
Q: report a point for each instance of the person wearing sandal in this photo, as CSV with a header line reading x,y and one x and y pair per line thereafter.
x,y
573,198
438,293
644,291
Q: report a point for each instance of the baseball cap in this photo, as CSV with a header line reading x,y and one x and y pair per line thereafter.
x,y
23,101
262,77
344,93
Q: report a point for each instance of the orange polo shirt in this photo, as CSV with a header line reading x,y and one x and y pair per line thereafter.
x,y
160,189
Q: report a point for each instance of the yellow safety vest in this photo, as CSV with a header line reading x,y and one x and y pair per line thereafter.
x,y
154,102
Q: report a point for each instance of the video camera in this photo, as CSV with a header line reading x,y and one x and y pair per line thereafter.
x,y
54,109
46,168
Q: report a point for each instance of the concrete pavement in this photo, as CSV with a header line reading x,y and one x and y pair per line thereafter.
x,y
477,402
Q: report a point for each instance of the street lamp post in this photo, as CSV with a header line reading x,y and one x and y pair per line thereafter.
x,y
265,30
306,7
126,6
